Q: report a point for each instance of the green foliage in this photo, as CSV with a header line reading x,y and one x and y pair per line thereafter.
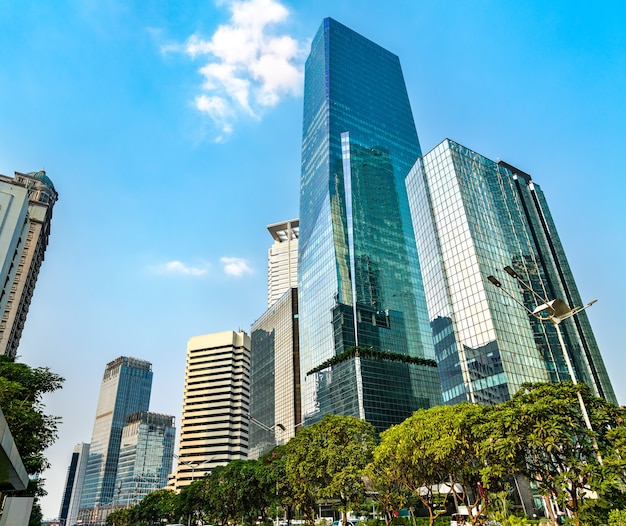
x,y
371,353
617,518
540,432
21,392
157,506
433,446
121,517
325,461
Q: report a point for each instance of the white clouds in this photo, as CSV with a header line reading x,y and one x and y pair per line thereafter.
x,y
249,67
235,266
231,266
177,267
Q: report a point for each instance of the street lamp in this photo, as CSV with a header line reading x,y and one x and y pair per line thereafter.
x,y
194,465
553,311
265,426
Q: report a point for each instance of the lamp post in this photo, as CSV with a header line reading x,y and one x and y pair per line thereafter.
x,y
194,465
553,311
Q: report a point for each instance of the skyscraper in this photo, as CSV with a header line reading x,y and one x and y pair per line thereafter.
x,y
472,218
74,485
216,398
282,267
359,279
26,202
125,390
275,375
146,454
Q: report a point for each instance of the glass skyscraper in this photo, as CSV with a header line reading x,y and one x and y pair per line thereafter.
x,y
146,455
359,277
472,218
125,390
274,376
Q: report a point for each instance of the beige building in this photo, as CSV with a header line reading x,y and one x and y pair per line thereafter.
x,y
26,203
214,423
282,267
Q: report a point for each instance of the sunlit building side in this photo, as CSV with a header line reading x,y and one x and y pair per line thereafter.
x,y
216,397
472,217
125,390
282,259
26,202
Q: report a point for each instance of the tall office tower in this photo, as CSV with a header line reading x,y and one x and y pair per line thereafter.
x,y
26,203
125,389
274,376
74,485
472,218
214,424
146,455
282,268
358,276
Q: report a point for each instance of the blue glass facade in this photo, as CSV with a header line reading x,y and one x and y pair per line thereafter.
x,y
559,283
146,455
125,390
359,278
472,218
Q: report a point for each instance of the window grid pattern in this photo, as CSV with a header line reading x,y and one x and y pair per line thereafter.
x,y
355,89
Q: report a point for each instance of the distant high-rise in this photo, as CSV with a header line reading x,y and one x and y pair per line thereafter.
x,y
359,279
214,423
74,485
472,218
275,375
125,390
146,454
26,203
282,268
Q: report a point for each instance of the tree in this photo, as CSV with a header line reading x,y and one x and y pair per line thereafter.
x,y
326,460
121,517
157,506
277,487
540,432
385,489
435,453
21,392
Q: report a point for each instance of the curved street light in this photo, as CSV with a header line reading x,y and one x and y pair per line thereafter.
x,y
553,311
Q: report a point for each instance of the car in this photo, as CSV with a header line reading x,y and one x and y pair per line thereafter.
x,y
340,523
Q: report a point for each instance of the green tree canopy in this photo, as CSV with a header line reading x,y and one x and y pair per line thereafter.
x,y
21,392
326,459
540,432
435,453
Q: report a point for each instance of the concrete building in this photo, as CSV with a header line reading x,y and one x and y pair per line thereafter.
x,y
214,424
282,267
26,202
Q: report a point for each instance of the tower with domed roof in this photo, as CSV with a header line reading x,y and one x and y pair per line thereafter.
x,y
26,202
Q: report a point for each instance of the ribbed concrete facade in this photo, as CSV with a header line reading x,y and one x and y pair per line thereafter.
x,y
24,257
214,424
282,259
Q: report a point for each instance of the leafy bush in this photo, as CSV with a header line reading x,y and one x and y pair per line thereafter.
x,y
617,518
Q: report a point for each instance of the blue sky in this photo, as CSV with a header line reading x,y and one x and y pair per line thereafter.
x,y
172,130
